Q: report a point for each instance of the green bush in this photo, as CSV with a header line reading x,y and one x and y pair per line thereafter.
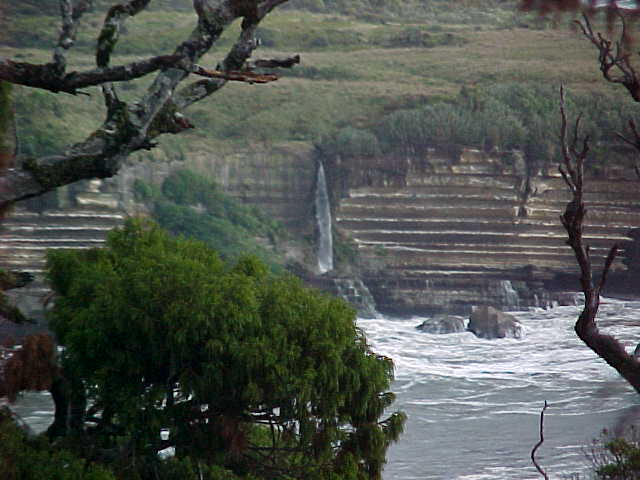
x,y
505,117
349,142
189,204
616,458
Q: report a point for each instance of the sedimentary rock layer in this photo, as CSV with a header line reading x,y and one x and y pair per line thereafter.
x,y
476,229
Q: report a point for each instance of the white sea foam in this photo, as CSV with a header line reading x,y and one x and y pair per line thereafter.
x,y
474,404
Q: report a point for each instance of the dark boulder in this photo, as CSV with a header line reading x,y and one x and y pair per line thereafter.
x,y
443,324
487,322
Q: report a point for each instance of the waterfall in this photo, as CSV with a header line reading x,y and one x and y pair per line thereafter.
x,y
323,217
510,298
354,291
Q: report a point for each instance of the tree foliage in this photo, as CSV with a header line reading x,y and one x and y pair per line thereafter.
x,y
22,458
249,371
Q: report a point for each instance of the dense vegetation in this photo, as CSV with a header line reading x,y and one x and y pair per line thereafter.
x,y
370,86
191,205
250,373
504,117
36,459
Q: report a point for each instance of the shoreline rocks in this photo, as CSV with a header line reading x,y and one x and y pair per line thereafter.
x,y
443,324
490,323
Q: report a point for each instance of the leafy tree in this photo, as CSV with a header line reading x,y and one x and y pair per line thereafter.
x,y
248,371
506,116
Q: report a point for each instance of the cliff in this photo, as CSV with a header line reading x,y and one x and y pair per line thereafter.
x,y
442,233
435,234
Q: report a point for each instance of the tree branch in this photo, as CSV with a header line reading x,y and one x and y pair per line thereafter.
x,y
614,56
128,128
110,32
238,76
45,78
287,62
70,14
547,6
540,442
605,346
235,60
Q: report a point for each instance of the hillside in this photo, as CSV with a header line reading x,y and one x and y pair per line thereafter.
x,y
354,71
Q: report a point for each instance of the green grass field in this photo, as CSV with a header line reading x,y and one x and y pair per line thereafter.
x,y
353,71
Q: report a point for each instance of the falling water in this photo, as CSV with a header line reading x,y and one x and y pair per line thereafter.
x,y
510,298
354,291
323,216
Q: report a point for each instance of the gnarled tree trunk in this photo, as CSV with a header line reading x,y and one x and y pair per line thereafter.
x,y
605,346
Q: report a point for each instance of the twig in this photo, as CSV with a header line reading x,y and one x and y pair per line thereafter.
x,y
537,445
614,55
238,76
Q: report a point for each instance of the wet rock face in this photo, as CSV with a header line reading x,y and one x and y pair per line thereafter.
x,y
443,324
489,323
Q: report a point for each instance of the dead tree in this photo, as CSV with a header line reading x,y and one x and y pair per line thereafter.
x,y
129,127
608,348
551,6
614,56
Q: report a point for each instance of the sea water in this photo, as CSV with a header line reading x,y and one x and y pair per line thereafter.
x,y
474,405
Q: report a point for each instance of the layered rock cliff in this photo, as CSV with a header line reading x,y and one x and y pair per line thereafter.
x,y
436,234
443,233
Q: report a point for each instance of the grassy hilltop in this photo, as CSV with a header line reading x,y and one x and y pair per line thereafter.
x,y
358,65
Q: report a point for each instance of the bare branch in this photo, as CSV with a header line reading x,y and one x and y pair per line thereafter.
x,y
540,442
566,178
128,128
70,14
611,256
109,36
568,173
236,59
65,39
238,76
44,77
588,6
110,32
287,62
614,56
605,346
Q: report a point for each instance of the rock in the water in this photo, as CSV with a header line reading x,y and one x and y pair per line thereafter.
x,y
487,322
443,324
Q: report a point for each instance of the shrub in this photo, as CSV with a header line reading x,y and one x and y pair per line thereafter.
x,y
616,458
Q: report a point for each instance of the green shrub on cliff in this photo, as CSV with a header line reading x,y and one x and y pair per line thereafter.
x,y
506,117
191,205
